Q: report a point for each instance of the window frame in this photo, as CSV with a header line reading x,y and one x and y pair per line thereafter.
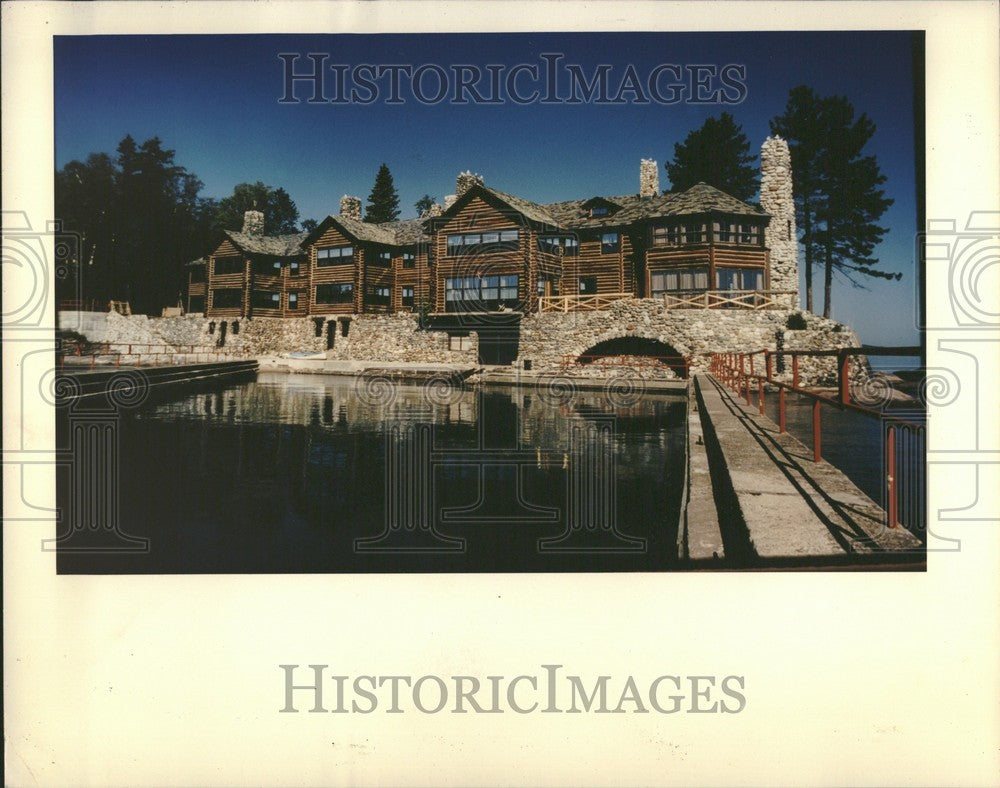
x,y
326,259
341,288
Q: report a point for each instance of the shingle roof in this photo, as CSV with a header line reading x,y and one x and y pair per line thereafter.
x,y
700,198
402,232
407,231
277,245
527,208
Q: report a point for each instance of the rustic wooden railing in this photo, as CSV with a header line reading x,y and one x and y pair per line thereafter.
x,y
731,299
579,303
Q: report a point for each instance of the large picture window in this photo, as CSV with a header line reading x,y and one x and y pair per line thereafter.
x,y
483,243
228,265
227,298
743,233
379,295
264,300
335,293
683,279
480,293
334,255
560,245
267,267
674,233
739,279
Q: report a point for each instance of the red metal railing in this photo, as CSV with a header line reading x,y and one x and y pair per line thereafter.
x,y
741,373
676,363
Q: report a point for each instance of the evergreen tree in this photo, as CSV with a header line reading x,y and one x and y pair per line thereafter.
x,y
837,189
281,216
424,204
718,153
383,202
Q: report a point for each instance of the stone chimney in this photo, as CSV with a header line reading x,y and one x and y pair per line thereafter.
x,y
465,181
449,200
350,207
434,210
649,178
776,198
253,223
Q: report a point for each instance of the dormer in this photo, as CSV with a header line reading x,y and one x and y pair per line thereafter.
x,y
599,208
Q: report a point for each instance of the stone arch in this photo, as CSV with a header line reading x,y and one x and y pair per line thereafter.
x,y
641,344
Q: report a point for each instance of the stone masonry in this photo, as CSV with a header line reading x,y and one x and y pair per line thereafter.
x,y
776,198
350,207
253,223
465,181
649,178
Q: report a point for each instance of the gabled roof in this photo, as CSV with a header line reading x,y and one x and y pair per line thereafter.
x,y
403,232
276,245
530,210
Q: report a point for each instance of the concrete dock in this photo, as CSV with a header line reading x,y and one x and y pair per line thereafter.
x,y
774,505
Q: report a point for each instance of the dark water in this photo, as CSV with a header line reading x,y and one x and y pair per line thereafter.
x,y
305,473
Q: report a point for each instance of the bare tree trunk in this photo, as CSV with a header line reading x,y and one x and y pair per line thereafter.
x,y
827,281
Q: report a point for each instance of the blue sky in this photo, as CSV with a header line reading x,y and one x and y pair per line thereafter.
x,y
215,101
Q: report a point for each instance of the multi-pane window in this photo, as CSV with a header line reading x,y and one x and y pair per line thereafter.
x,y
383,258
264,300
379,295
406,296
565,245
267,267
677,279
293,300
745,233
479,243
588,285
610,243
459,342
335,293
674,233
476,294
598,211
227,298
334,255
293,268
228,265
546,286
739,279
409,260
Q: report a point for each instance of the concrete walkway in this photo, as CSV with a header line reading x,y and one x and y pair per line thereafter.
x,y
776,506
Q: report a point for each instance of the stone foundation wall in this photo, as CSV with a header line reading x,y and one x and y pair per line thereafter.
x,y
369,337
695,333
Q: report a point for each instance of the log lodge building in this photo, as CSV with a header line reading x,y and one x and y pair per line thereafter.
x,y
486,252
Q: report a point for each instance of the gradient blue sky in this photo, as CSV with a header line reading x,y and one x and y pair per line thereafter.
x,y
214,100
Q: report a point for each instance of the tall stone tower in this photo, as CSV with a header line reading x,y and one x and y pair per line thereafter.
x,y
776,199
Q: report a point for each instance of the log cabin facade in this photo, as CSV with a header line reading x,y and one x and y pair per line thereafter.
x,y
489,252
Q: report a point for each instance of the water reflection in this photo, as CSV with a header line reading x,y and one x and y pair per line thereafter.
x,y
295,473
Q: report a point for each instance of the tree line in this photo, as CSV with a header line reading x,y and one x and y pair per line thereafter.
x,y
140,216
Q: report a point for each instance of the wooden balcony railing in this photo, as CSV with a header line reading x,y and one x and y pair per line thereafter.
x,y
579,303
729,299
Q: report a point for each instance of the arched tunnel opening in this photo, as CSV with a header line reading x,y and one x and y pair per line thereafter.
x,y
634,351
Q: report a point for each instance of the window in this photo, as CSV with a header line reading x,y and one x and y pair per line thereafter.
x,y
293,268
383,259
267,267
196,304
546,286
236,327
378,295
478,294
227,299
739,279
495,241
263,300
335,294
334,255
566,246
599,210
293,300
685,279
588,285
682,233
228,265
610,243
409,260
406,296
459,342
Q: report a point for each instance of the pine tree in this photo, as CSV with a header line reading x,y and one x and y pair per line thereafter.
x,y
718,153
383,202
424,204
838,194
281,215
